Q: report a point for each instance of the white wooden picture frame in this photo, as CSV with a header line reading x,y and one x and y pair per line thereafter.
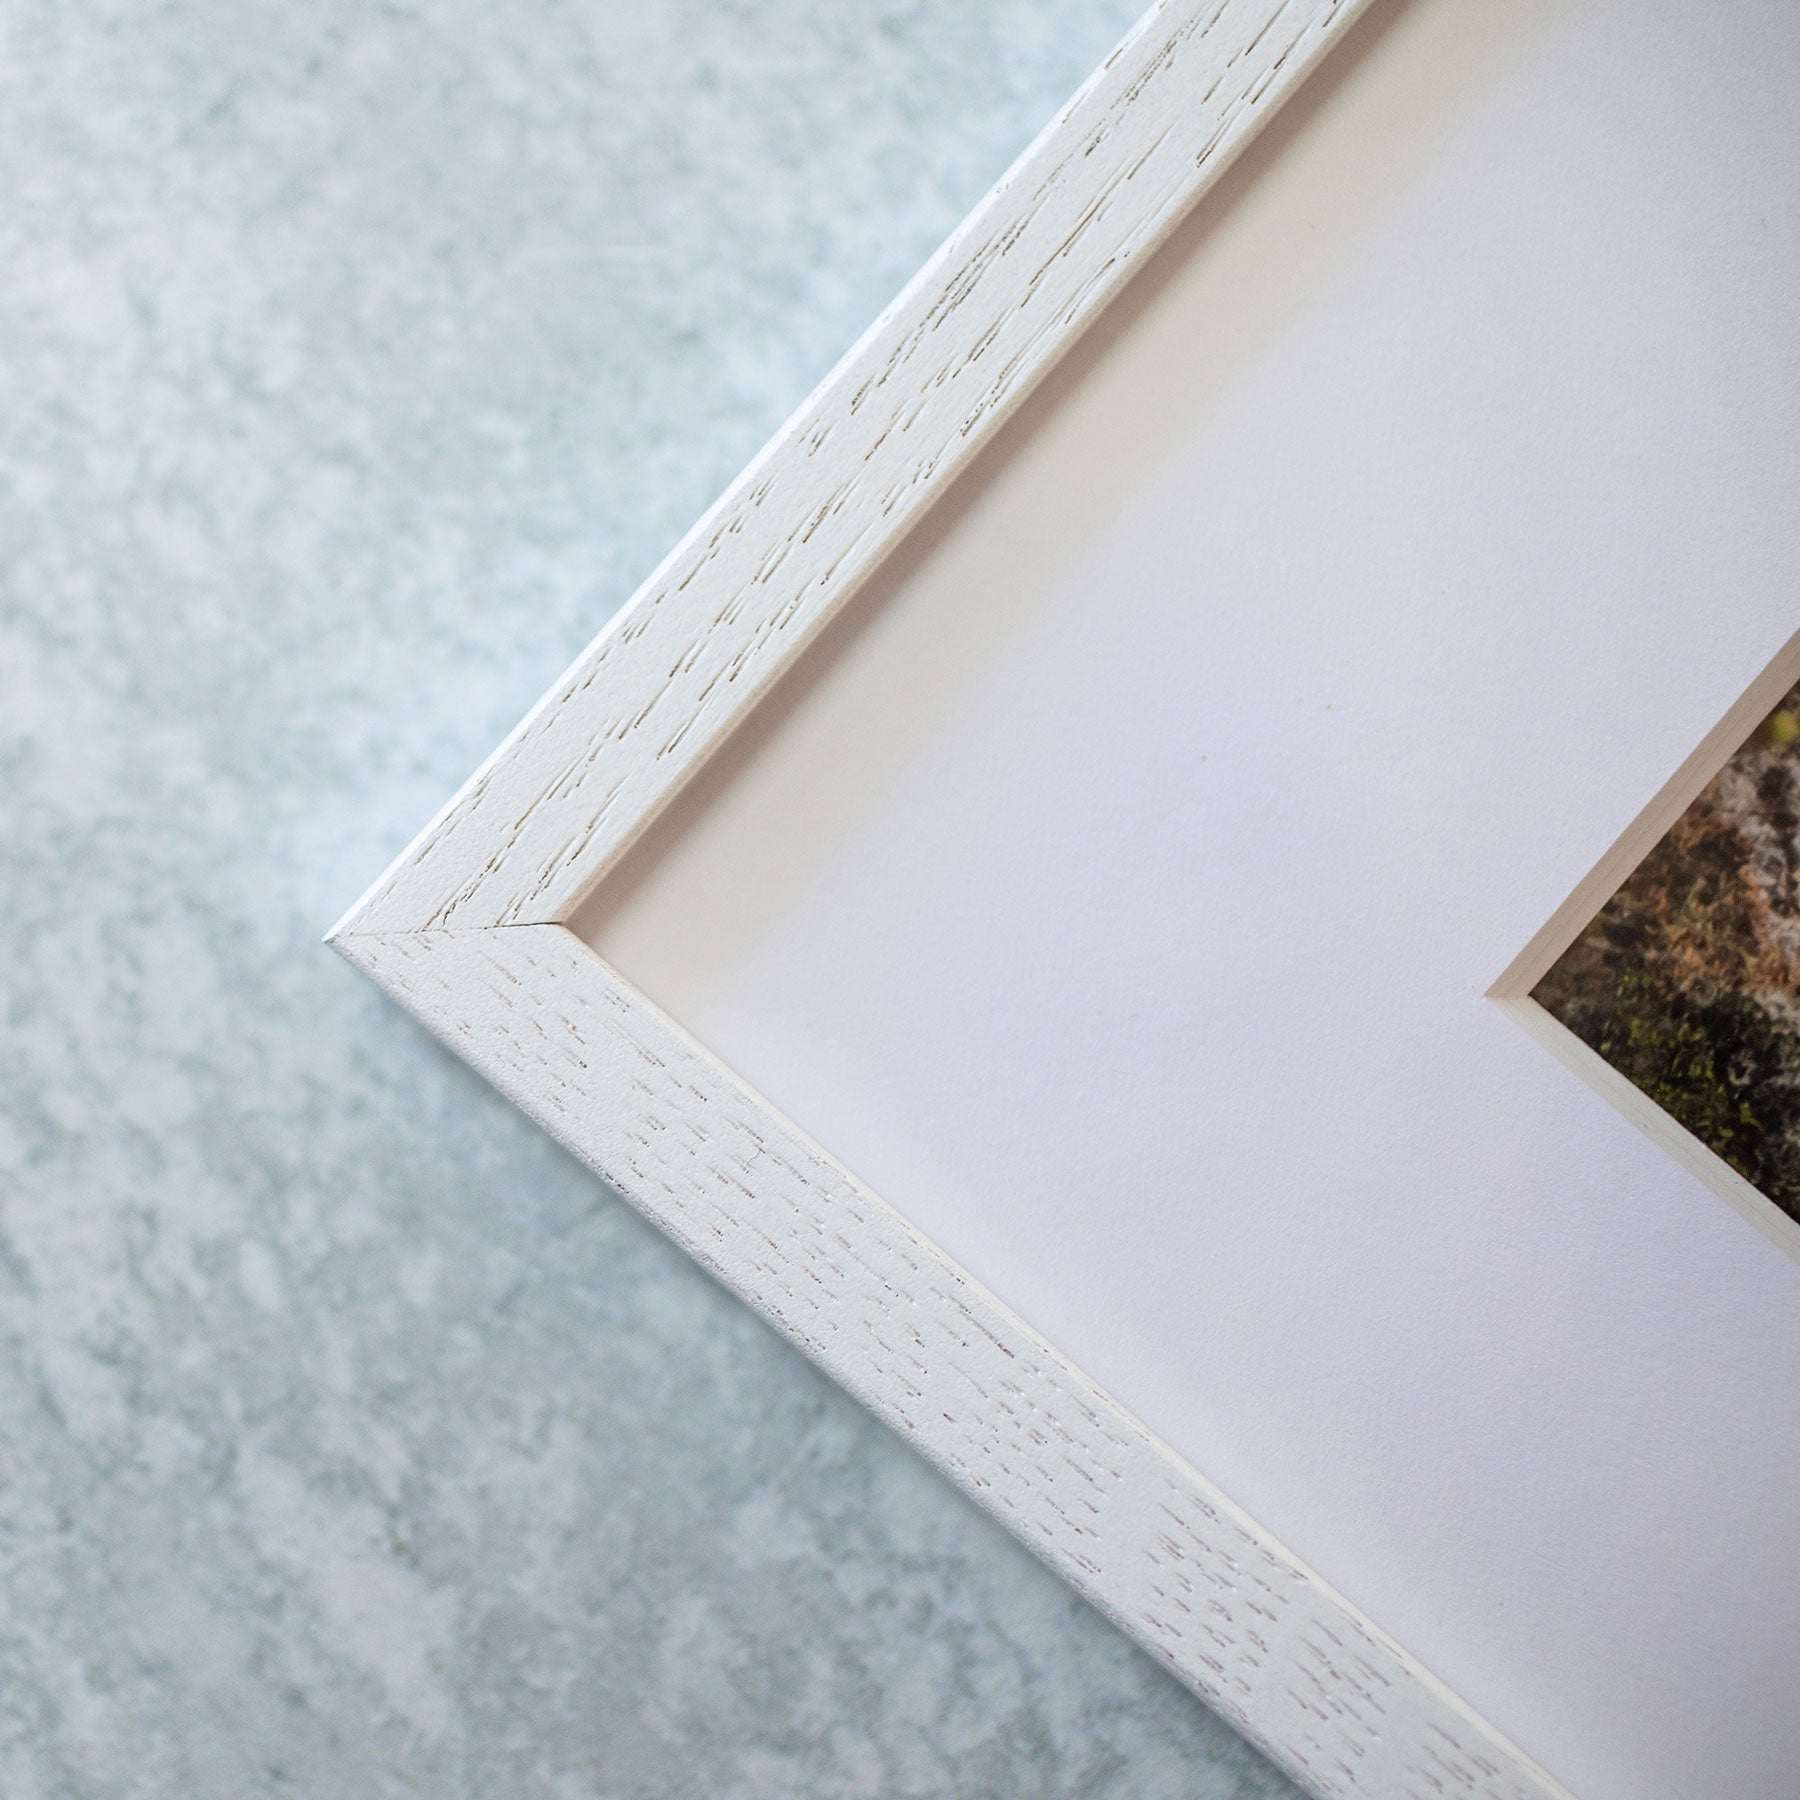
x,y
478,929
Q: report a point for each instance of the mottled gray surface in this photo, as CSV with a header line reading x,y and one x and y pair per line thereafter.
x,y
353,1441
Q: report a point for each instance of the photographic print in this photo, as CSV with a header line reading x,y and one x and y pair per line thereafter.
x,y
1687,981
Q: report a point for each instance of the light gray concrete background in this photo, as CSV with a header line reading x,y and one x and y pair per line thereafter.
x,y
355,361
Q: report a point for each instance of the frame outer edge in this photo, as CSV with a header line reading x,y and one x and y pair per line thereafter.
x,y
1133,1527
895,421
1126,1521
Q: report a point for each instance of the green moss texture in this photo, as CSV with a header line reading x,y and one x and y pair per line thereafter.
x,y
1688,980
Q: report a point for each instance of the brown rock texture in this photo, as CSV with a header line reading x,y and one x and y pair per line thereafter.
x,y
1688,980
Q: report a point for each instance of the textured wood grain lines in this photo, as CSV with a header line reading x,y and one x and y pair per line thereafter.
x,y
1143,1535
465,929
811,518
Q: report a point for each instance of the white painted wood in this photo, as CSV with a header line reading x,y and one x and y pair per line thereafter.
x,y
467,929
1139,1532
884,434
1117,889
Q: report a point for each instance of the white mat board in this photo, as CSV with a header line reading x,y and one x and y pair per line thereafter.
x,y
1116,886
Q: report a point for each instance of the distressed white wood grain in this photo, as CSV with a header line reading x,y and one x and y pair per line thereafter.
x,y
1138,1531
466,930
894,422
